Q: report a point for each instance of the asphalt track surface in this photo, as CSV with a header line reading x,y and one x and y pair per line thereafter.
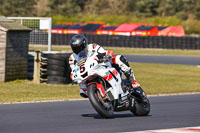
x,y
162,59
80,117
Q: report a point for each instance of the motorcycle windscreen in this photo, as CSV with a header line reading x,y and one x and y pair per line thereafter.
x,y
82,55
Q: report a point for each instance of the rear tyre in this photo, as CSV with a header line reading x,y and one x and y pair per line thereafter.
x,y
104,108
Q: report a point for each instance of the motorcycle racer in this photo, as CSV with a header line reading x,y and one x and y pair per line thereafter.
x,y
79,43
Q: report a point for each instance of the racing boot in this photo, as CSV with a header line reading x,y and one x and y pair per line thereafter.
x,y
139,93
123,64
83,93
135,90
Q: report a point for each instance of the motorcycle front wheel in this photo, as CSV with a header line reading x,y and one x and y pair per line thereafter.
x,y
103,106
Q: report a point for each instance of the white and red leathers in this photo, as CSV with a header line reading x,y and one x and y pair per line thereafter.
x,y
118,61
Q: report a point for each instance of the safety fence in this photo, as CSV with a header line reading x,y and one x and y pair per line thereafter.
x,y
134,41
40,29
130,41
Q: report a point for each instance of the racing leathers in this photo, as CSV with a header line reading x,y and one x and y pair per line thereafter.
x,y
118,61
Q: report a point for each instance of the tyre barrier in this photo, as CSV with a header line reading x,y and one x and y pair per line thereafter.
x,y
55,68
30,66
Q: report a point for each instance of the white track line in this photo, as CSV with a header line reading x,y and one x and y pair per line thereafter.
x,y
172,130
174,94
49,101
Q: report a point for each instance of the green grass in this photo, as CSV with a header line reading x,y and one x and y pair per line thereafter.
x,y
53,48
24,90
154,79
122,50
154,51
165,79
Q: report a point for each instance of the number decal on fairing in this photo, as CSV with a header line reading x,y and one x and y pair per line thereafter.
x,y
91,65
82,68
82,71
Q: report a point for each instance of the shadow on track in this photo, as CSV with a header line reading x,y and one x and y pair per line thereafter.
x,y
97,116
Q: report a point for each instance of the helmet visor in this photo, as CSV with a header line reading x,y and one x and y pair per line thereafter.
x,y
76,50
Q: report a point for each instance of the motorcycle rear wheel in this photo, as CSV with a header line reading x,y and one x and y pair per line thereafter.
x,y
104,108
141,108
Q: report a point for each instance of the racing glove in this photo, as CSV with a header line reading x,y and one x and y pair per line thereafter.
x,y
105,58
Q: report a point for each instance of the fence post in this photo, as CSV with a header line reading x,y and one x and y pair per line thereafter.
x,y
37,62
49,35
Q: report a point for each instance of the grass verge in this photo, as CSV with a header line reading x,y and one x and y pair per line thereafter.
x,y
122,50
24,90
154,79
166,79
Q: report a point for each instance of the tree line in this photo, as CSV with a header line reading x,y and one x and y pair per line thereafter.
x,y
139,8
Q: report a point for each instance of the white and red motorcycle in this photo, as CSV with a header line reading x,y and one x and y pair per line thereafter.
x,y
106,89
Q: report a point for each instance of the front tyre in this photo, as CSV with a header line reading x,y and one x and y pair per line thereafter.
x,y
103,106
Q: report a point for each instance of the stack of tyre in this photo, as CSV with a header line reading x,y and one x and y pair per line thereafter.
x,y
43,68
58,70
55,68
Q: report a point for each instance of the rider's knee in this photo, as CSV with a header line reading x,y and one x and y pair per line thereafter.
x,y
120,59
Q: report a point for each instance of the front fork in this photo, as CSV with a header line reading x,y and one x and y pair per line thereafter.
x,y
100,88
